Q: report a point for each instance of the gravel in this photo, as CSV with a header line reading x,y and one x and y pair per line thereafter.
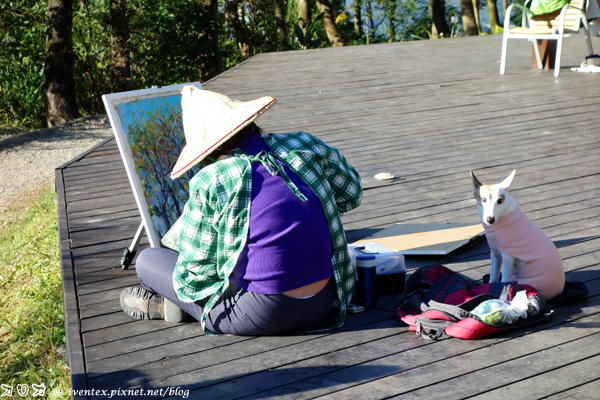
x,y
28,160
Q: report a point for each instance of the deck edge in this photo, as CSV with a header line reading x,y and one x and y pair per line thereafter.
x,y
81,156
75,354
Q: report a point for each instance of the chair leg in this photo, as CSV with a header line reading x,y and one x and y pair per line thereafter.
x,y
538,56
503,55
558,54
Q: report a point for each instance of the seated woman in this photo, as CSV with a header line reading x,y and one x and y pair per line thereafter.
x,y
262,249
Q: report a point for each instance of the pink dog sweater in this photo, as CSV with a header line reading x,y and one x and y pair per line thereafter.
x,y
514,234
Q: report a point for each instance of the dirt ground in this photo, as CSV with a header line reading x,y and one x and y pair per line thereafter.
x,y
28,160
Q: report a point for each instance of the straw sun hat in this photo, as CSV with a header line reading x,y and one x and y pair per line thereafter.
x,y
209,119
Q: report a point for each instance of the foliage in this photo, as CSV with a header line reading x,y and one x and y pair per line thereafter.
x,y
32,326
415,17
345,23
260,21
91,44
421,28
22,41
165,41
167,47
517,13
312,39
315,31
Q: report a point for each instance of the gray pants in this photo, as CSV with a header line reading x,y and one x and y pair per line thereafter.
x,y
238,312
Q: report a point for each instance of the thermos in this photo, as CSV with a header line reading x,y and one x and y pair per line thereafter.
x,y
366,287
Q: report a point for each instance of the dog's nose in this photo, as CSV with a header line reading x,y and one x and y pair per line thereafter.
x,y
491,220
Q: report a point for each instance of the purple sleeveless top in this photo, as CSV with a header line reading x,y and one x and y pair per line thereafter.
x,y
289,244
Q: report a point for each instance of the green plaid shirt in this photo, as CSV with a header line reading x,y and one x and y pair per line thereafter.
x,y
216,217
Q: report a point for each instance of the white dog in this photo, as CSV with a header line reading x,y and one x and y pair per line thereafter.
x,y
519,249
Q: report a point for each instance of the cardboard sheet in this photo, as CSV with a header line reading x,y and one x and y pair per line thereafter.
x,y
425,239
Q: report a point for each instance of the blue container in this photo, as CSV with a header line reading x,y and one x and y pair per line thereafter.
x,y
366,287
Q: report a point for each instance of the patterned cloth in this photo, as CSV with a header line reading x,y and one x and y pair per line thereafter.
x,y
216,217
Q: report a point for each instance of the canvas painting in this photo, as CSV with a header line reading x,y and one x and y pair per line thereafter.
x,y
148,128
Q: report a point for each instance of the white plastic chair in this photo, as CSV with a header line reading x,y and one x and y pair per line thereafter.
x,y
553,26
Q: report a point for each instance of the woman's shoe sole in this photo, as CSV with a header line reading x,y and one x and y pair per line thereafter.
x,y
140,303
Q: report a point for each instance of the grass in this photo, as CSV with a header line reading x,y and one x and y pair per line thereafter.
x,y
32,335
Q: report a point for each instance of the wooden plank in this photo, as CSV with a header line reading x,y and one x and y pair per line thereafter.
x,y
87,220
109,231
85,292
119,186
421,183
538,363
107,160
568,378
580,392
250,356
104,145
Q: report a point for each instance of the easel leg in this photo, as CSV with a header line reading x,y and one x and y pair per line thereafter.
x,y
130,252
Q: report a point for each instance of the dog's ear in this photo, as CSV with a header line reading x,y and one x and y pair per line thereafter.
x,y
505,184
476,185
476,182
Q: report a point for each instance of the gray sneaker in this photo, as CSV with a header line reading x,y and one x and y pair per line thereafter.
x,y
141,303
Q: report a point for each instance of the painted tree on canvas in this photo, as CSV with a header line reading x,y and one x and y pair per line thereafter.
x,y
156,139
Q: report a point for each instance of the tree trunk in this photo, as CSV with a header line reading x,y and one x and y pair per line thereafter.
x,y
369,12
59,63
468,18
476,13
280,23
357,19
239,29
334,35
120,49
440,28
304,15
391,11
493,17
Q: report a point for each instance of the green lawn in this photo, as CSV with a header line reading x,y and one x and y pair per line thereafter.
x,y
32,334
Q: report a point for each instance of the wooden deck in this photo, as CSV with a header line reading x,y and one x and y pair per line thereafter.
x,y
426,112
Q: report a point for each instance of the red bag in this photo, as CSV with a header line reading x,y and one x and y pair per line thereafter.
x,y
440,301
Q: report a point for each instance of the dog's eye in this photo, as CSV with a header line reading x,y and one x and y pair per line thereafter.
x,y
483,199
499,201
